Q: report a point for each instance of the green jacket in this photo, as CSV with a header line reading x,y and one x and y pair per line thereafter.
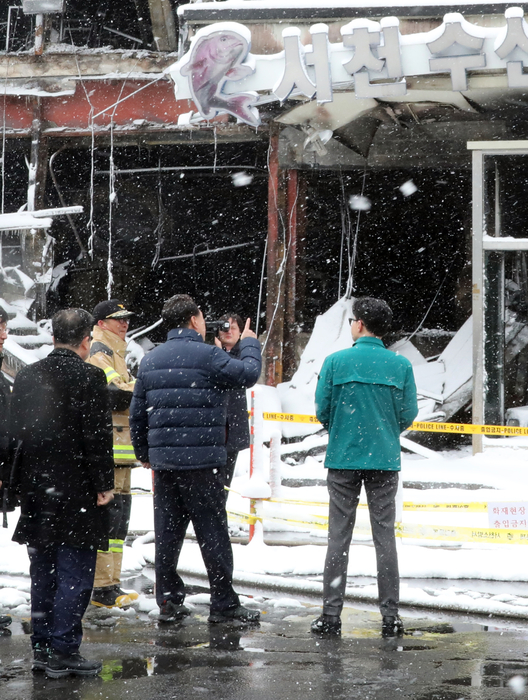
x,y
365,398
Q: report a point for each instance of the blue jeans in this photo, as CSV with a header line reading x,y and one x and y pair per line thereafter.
x,y
196,495
61,585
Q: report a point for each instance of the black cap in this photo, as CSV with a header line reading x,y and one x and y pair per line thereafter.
x,y
4,315
112,308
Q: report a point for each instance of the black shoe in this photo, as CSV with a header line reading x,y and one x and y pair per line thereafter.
x,y
110,598
241,614
172,612
41,656
392,626
327,624
5,621
60,665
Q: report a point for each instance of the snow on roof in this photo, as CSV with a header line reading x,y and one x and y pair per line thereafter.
x,y
442,5
22,220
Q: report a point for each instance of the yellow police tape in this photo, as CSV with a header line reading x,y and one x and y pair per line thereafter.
x,y
475,507
419,426
443,533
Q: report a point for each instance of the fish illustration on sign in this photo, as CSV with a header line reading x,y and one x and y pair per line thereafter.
x,y
214,59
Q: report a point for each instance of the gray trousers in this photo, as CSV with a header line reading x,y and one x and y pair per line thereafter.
x,y
344,487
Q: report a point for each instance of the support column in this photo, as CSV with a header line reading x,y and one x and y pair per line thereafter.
x,y
296,206
275,297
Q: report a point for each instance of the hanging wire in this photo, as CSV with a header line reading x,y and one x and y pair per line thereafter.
x,y
159,228
345,233
91,124
353,256
111,187
261,286
4,128
418,328
112,196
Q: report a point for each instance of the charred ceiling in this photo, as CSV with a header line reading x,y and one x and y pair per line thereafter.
x,y
128,24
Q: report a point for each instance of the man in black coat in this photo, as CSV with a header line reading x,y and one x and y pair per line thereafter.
x,y
178,427
62,426
237,409
5,398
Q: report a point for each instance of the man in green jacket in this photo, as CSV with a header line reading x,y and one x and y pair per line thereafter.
x,y
365,398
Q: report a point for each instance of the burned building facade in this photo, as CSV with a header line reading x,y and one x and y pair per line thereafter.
x,y
270,158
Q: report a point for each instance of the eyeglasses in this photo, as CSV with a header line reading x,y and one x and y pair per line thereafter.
x,y
352,320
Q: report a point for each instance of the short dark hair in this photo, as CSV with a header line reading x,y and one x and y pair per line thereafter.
x,y
178,310
236,317
71,326
376,315
4,316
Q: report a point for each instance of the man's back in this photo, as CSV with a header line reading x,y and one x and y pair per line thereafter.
x,y
365,398
180,391
60,413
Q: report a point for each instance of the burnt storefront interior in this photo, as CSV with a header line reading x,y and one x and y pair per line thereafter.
x,y
274,222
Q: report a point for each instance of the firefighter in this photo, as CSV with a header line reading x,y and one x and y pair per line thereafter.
x,y
107,351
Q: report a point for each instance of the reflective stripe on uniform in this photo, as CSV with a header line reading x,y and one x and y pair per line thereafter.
x,y
116,546
111,374
124,452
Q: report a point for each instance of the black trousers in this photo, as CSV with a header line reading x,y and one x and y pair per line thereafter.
x,y
225,473
344,487
61,585
197,496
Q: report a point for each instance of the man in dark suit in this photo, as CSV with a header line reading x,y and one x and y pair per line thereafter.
x,y
63,429
178,427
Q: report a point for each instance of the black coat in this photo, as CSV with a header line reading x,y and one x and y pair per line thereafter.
x,y
59,410
237,414
178,411
5,399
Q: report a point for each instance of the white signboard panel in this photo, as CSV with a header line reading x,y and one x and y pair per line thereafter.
x,y
221,75
508,515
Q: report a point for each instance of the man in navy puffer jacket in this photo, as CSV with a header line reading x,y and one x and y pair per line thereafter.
x,y
178,428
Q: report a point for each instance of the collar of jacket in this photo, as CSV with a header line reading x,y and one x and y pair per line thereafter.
x,y
111,340
184,334
369,340
65,352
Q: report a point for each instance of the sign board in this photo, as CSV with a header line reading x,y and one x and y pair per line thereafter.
x,y
40,7
508,516
221,75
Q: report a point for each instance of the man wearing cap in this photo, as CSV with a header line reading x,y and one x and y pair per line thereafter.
x,y
108,351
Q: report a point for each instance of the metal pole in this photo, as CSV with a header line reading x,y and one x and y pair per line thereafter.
x,y
252,503
39,35
478,290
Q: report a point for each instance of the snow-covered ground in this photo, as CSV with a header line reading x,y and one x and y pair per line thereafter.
x,y
499,476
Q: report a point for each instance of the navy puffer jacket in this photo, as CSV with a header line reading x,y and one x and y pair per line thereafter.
x,y
178,411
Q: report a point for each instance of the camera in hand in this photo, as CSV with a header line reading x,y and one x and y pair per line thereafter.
x,y
215,326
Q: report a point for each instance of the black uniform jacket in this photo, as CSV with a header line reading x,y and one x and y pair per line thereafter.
x,y
237,414
59,411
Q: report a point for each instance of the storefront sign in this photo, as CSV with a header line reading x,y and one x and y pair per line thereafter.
x,y
221,75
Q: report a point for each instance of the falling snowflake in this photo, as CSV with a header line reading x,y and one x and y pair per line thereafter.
x,y
517,684
408,188
359,202
242,179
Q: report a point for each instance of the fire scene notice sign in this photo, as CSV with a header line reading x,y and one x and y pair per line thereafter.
x,y
508,516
